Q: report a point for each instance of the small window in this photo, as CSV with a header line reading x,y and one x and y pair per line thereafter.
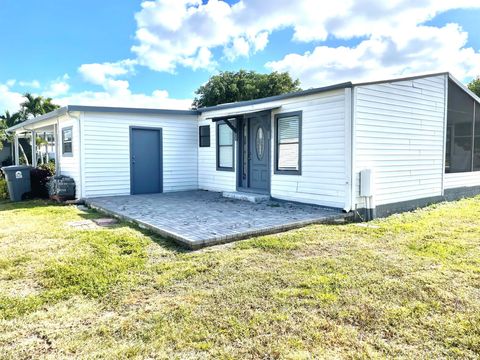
x,y
225,152
288,143
204,136
67,141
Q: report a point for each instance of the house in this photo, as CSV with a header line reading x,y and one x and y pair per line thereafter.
x,y
385,146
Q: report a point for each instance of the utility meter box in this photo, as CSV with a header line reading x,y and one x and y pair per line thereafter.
x,y
367,182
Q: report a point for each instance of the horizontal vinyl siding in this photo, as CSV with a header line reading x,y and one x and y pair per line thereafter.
x,y
465,179
208,176
399,132
323,178
106,152
70,165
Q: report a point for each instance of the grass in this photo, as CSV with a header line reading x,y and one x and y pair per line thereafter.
x,y
405,287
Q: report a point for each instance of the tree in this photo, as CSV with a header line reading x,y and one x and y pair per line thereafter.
x,y
31,107
474,85
35,106
7,120
243,85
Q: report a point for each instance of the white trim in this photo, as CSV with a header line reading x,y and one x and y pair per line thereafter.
x,y
445,116
348,150
17,151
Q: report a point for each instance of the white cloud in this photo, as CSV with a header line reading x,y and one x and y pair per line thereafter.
x,y
115,93
185,32
9,100
99,74
35,84
57,87
426,49
158,99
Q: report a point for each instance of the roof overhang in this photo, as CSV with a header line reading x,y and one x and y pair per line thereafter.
x,y
241,113
307,92
102,109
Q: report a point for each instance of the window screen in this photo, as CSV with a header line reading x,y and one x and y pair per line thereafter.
x,y
67,141
288,134
459,130
476,142
225,143
204,136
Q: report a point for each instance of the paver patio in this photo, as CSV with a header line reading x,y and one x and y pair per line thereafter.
x,y
202,218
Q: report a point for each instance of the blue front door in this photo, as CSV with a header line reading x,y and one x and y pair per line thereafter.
x,y
259,153
146,161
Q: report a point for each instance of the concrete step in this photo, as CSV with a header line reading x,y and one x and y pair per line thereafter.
x,y
246,196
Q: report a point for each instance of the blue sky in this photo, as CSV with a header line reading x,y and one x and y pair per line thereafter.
x,y
156,53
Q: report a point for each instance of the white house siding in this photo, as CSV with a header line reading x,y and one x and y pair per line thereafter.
x,y
399,132
106,162
208,176
324,179
464,179
70,165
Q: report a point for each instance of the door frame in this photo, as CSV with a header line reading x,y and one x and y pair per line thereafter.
x,y
268,147
160,149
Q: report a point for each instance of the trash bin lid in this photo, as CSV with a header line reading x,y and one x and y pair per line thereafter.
x,y
15,167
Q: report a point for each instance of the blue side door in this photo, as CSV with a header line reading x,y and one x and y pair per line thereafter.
x,y
146,167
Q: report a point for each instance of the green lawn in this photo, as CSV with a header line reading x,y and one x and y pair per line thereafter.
x,y
407,286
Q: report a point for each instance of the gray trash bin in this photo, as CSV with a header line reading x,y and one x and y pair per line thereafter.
x,y
18,181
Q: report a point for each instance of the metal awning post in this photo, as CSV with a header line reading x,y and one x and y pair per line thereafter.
x,y
57,148
16,149
47,159
33,134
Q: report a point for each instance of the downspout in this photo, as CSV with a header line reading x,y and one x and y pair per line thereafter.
x,y
353,196
80,195
58,167
348,147
445,114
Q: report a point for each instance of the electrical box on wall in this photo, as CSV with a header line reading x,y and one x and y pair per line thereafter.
x,y
367,182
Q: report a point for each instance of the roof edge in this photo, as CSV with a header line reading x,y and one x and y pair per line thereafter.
x,y
405,78
276,97
103,109
57,112
464,88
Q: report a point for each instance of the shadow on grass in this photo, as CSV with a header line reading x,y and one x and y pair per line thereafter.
x,y
90,214
166,243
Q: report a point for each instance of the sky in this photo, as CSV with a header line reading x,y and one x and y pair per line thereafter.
x,y
155,54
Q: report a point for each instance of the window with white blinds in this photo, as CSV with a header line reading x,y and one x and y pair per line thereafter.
x,y
288,143
225,152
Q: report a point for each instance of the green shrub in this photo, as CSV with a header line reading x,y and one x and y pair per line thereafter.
x,y
3,189
50,167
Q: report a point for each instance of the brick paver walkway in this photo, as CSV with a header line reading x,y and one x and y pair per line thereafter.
x,y
201,218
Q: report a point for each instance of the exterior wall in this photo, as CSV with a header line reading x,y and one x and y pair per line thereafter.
x,y
399,132
325,177
325,151
70,165
106,151
464,179
209,178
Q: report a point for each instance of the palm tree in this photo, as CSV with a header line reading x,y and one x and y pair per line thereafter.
x,y
8,120
36,105
32,106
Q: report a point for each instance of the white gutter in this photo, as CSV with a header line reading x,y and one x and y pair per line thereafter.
x,y
80,149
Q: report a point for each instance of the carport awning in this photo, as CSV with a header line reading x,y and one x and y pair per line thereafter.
x,y
239,115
